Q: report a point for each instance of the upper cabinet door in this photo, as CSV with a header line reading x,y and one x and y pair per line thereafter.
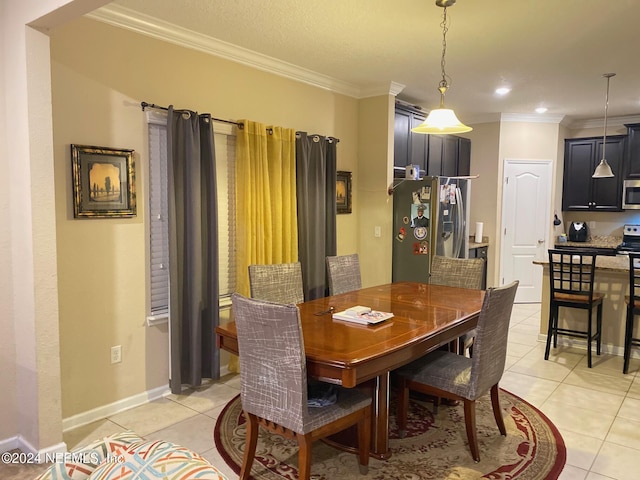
x,y
607,192
632,158
582,192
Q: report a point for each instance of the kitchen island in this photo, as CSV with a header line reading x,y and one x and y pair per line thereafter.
x,y
611,279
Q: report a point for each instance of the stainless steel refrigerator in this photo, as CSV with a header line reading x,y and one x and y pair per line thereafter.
x,y
430,216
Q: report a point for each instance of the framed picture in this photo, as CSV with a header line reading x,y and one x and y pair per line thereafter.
x,y
343,192
103,182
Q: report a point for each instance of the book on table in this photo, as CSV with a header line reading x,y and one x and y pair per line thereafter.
x,y
362,315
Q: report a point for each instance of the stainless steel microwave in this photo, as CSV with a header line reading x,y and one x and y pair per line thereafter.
x,y
631,195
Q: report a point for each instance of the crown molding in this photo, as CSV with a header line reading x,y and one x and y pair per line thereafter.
x,y
531,118
129,19
611,122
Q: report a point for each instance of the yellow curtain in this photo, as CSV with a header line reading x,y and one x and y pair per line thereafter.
x,y
266,215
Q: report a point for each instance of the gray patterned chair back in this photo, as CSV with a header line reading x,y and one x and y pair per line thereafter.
x,y
273,371
344,274
490,348
280,283
457,272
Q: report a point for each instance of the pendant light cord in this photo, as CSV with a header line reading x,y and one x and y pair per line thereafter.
x,y
443,86
606,109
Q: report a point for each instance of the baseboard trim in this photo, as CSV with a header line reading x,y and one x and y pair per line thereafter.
x,y
105,411
582,345
38,456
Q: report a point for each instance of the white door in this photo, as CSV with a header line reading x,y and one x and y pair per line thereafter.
x,y
525,225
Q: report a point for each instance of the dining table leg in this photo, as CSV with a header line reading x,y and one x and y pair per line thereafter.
x,y
380,417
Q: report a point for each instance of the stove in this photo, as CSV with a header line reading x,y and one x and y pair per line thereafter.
x,y
630,239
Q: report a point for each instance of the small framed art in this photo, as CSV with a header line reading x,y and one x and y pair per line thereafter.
x,y
343,192
103,182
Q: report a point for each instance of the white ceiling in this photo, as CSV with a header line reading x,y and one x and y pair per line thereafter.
x,y
551,53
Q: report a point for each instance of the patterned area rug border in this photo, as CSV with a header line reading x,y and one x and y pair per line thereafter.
x,y
532,450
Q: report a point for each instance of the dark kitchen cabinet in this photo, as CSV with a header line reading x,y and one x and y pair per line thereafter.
x,y
438,155
581,192
409,148
449,156
632,158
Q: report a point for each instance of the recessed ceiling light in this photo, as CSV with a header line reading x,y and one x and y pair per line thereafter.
x,y
503,90
541,109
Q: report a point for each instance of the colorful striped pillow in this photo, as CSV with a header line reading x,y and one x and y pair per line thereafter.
x,y
157,459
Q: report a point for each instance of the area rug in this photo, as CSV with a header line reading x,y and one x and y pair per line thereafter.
x,y
435,446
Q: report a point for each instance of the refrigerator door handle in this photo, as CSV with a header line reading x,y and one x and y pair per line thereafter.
x,y
460,224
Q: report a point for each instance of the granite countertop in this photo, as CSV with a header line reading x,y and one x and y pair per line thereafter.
x,y
477,245
474,244
618,263
595,241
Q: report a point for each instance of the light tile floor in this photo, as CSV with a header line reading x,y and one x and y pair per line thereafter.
x,y
596,410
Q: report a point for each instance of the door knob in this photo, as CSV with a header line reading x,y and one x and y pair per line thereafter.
x,y
540,242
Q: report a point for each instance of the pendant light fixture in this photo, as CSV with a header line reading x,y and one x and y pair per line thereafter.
x,y
442,120
603,170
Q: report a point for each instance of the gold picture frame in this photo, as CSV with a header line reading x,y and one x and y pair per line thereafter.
x,y
343,192
103,182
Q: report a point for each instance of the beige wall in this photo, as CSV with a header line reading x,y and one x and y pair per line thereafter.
x,y
99,76
485,146
32,419
8,404
375,171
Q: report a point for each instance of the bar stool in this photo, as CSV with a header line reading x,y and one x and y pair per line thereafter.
x,y
633,308
571,275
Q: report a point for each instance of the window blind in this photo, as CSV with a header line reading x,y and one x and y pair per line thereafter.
x,y
225,148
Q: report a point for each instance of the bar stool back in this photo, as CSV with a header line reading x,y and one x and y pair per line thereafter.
x,y
633,308
571,276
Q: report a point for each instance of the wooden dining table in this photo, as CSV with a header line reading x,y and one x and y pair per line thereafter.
x,y
425,317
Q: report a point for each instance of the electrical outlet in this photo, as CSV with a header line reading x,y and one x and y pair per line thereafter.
x,y
116,354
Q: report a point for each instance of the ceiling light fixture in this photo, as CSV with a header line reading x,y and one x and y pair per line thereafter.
x,y
541,109
442,120
603,170
502,90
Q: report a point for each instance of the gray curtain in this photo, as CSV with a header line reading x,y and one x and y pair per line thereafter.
x,y
193,249
316,199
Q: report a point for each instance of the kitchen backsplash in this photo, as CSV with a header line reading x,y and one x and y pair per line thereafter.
x,y
599,223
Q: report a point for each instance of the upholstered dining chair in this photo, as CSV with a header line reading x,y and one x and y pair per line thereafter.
x,y
462,273
344,273
273,385
633,308
457,377
280,283
571,277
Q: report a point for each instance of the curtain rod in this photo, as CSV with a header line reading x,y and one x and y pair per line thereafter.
x,y
153,105
239,124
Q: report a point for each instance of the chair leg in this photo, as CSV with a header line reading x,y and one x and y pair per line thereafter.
x,y
497,411
628,334
403,407
364,439
599,329
250,445
589,337
556,315
304,456
550,330
470,423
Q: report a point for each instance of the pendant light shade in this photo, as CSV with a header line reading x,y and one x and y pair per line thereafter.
x,y
603,170
442,120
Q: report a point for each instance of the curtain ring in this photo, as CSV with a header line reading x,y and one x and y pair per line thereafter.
x,y
316,138
186,114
